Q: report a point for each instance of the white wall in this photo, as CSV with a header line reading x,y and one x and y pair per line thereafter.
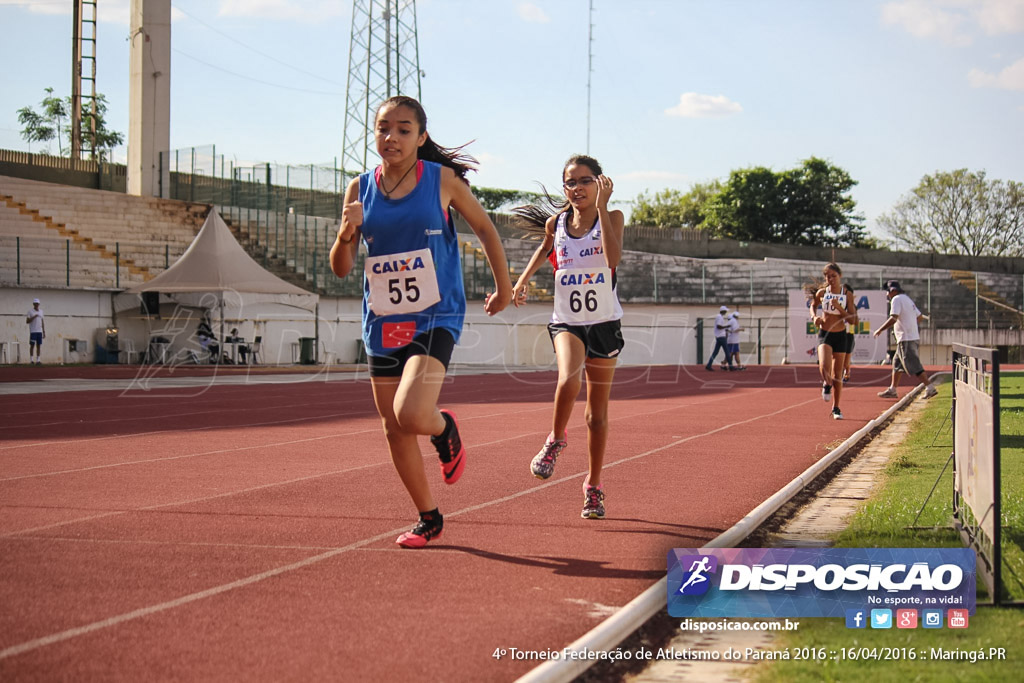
x,y
69,314
517,337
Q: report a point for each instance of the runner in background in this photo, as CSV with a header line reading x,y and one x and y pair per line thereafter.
x,y
836,310
583,241
851,337
414,303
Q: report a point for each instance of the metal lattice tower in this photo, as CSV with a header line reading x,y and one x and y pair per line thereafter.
x,y
83,49
383,61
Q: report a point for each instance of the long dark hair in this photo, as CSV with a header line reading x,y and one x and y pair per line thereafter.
x,y
533,217
452,157
812,287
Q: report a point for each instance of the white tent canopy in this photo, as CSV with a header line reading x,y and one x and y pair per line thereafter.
x,y
216,263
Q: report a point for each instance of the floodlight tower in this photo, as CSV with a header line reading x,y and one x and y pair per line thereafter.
x,y
383,61
83,49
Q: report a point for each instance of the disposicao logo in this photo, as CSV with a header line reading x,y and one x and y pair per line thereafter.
x,y
697,580
808,582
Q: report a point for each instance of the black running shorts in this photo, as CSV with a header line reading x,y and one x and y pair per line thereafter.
x,y
437,343
837,340
601,340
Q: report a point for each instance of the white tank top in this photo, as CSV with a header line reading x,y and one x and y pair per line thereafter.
x,y
839,298
578,262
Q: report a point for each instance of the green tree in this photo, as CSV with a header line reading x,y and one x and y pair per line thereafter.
x,y
749,207
808,205
959,212
492,198
662,210
49,124
671,208
818,207
45,125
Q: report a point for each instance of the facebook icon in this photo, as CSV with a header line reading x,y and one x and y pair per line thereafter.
x,y
856,618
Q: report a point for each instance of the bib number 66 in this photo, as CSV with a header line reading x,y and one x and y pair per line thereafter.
x,y
580,300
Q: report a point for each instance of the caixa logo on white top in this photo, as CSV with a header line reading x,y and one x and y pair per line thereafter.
x,y
821,582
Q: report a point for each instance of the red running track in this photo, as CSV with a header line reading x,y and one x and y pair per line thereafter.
x,y
247,532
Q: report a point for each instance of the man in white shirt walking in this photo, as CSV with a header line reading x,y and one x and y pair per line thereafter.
x,y
721,330
733,339
36,333
903,318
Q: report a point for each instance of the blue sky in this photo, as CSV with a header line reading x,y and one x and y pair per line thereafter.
x,y
682,91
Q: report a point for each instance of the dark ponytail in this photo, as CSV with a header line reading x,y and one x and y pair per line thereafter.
x,y
533,218
452,157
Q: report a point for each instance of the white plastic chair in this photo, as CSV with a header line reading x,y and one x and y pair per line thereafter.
x,y
327,357
128,349
254,351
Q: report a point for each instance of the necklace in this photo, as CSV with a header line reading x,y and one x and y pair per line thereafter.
x,y
383,187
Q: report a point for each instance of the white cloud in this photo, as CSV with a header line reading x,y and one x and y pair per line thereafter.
x,y
928,19
112,11
1010,78
955,22
696,106
1001,16
531,13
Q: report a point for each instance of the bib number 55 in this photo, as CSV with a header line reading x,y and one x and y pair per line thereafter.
x,y
402,283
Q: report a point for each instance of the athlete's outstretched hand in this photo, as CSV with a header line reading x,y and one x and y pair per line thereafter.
x,y
496,302
604,191
519,294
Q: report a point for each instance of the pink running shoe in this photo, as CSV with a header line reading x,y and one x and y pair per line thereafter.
x,y
426,530
593,502
449,449
543,464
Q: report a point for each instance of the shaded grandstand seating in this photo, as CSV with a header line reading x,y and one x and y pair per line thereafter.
x,y
55,222
142,234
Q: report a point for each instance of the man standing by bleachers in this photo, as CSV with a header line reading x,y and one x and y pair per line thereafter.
x,y
36,333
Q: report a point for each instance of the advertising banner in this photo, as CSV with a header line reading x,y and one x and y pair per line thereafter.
x,y
974,451
818,582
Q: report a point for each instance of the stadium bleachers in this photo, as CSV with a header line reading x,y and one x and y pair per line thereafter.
x,y
44,227
62,235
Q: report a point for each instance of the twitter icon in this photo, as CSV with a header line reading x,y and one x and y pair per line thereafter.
x,y
881,618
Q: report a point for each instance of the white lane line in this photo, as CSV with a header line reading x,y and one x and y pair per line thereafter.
x,y
240,583
173,544
286,443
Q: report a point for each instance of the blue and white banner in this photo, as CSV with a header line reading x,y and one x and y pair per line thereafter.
x,y
817,582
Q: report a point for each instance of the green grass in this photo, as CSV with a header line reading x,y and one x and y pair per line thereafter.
x,y
885,521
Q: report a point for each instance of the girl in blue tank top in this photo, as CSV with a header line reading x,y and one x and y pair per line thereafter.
x,y
414,303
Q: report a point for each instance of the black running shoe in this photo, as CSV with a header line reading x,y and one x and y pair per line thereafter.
x,y
427,529
450,450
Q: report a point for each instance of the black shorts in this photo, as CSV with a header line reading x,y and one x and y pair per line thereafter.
x,y
601,340
437,343
850,339
837,340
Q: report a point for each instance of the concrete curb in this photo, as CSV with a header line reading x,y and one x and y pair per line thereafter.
x,y
612,631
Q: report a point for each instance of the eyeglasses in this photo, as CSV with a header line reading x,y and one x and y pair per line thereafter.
x,y
572,183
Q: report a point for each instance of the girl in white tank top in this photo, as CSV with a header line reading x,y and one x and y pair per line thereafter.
x,y
583,241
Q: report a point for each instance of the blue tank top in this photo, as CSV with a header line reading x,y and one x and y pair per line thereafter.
x,y
400,227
